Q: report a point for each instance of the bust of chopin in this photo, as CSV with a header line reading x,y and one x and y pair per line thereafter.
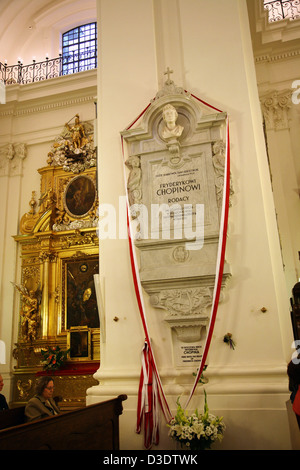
x,y
171,129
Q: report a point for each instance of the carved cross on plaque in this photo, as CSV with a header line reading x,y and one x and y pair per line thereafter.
x,y
168,72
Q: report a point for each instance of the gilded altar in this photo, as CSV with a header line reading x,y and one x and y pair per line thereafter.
x,y
59,253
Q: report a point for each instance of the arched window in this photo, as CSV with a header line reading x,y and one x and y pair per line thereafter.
x,y
281,9
79,49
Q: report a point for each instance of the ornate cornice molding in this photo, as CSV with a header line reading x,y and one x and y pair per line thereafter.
x,y
277,56
19,110
47,95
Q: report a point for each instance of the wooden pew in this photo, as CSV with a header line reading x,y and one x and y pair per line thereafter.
x,y
95,427
12,417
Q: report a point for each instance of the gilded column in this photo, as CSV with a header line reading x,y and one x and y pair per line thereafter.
x,y
46,258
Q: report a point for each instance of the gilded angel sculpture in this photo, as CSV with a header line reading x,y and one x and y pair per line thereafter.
x,y
29,312
78,133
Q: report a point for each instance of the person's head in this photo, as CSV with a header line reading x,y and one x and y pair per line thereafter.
x,y
169,113
87,294
1,383
45,387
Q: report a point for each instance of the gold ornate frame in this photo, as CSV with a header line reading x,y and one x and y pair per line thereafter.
x,y
79,302
79,196
79,343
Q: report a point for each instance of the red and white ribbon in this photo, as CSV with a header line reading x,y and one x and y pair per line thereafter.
x,y
151,392
219,263
148,398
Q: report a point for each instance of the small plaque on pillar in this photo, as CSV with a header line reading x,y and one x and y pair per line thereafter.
x,y
188,354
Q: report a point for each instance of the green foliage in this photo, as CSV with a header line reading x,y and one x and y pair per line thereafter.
x,y
53,359
198,431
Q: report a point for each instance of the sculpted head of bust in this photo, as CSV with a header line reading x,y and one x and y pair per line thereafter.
x,y
171,129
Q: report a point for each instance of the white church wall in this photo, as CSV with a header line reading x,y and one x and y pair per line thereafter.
x,y
214,61
277,64
207,44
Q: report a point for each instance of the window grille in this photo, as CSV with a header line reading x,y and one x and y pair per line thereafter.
x,y
79,49
281,9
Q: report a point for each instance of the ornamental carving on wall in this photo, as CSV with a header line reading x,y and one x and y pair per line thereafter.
x,y
275,108
11,159
183,302
69,199
74,148
218,159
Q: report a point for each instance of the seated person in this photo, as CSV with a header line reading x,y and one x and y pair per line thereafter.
x,y
42,404
293,371
3,402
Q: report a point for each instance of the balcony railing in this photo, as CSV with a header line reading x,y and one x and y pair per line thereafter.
x,y
49,68
281,9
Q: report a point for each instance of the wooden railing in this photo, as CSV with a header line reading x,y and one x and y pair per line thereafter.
x,y
95,427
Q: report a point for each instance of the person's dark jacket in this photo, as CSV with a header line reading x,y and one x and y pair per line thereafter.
x,y
3,403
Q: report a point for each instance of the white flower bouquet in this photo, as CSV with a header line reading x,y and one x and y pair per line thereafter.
x,y
198,431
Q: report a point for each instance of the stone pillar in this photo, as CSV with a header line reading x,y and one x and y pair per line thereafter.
x,y
277,111
11,171
208,46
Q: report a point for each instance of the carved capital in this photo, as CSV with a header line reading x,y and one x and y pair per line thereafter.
x,y
48,256
11,159
275,108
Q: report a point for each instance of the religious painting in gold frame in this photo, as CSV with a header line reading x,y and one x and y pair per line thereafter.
x,y
80,196
79,344
80,307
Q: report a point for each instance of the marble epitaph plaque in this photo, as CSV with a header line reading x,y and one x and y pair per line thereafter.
x,y
175,156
